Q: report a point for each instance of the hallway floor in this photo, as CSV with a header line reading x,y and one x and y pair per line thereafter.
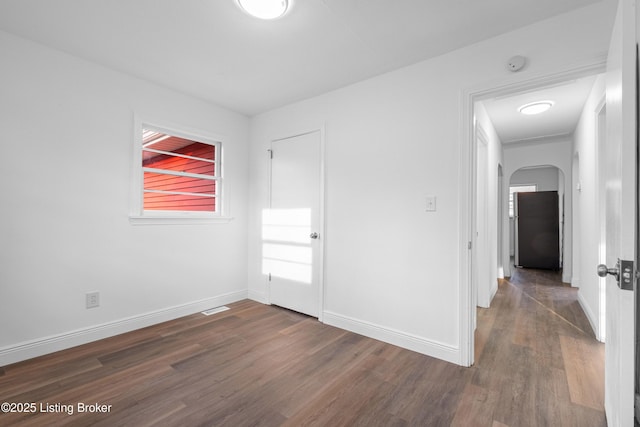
x,y
537,358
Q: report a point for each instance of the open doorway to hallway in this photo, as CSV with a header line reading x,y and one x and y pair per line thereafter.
x,y
521,146
535,144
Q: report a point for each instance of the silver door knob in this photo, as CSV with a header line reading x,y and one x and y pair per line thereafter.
x,y
603,270
314,235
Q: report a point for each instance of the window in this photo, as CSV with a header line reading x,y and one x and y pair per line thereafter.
x,y
519,189
178,175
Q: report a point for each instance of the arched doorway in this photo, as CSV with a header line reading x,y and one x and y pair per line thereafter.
x,y
527,241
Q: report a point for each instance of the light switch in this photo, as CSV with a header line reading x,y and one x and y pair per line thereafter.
x,y
431,203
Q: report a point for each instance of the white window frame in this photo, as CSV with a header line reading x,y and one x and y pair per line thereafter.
x,y
138,215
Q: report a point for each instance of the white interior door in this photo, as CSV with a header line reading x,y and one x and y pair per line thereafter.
x,y
620,199
292,235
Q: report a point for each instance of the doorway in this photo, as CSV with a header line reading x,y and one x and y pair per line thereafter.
x,y
476,106
292,226
536,217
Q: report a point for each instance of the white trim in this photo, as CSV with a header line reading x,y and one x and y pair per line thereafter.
x,y
321,220
183,156
493,291
173,219
176,129
466,214
177,173
593,320
38,347
181,193
600,132
393,336
260,297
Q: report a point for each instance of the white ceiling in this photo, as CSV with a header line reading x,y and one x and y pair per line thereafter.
x,y
569,99
212,50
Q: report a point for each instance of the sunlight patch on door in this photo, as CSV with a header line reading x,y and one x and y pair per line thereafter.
x,y
286,225
289,253
286,250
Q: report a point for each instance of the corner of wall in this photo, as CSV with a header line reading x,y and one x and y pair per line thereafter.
x,y
30,349
395,337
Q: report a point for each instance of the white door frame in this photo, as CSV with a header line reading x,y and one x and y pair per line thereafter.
x,y
468,193
321,215
601,138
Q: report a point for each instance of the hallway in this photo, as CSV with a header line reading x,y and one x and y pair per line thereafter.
x,y
537,360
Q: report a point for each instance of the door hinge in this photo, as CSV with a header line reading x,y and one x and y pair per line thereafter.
x,y
269,276
270,151
469,245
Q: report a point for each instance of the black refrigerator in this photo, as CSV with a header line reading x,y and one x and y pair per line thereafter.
x,y
537,230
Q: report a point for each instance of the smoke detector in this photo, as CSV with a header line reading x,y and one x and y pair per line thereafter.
x,y
516,63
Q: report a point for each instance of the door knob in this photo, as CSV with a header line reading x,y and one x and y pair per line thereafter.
x,y
603,270
314,235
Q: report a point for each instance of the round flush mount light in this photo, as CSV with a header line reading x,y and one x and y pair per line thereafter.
x,y
535,107
264,9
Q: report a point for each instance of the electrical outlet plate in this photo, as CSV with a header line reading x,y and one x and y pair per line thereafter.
x,y
93,299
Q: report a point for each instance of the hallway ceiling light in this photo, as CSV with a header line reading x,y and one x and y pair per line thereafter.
x,y
264,9
535,107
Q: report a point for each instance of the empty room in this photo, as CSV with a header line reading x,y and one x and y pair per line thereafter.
x,y
310,212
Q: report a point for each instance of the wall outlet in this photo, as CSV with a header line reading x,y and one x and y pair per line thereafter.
x,y
93,299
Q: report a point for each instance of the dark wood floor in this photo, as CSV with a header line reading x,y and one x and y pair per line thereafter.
x,y
537,364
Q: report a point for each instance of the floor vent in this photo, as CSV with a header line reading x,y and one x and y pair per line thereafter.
x,y
215,310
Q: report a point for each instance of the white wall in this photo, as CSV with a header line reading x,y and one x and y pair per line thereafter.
x,y
392,270
65,171
555,152
587,201
546,178
488,281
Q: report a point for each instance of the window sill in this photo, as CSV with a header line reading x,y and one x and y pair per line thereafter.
x,y
178,220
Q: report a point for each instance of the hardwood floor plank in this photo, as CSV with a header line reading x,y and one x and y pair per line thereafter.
x,y
583,364
553,396
486,320
258,365
476,407
518,394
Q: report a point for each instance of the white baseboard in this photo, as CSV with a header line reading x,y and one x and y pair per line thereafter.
x,y
566,278
589,313
34,348
494,291
258,296
395,337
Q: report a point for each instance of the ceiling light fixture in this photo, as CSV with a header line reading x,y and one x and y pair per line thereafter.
x,y
535,107
264,9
